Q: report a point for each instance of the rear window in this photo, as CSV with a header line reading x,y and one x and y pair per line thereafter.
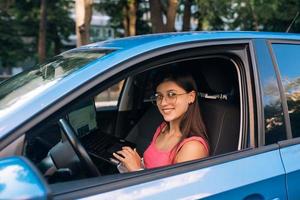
x,y
287,58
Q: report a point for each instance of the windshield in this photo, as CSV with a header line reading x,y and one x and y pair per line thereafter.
x,y
31,82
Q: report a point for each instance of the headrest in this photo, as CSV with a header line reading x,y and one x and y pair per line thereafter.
x,y
219,79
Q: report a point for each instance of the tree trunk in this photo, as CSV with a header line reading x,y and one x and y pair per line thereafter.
x,y
125,21
156,16
171,15
83,10
186,26
132,9
42,32
255,20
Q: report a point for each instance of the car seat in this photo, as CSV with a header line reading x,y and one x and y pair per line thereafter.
x,y
219,105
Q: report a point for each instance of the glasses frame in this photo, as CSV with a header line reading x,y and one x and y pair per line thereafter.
x,y
168,98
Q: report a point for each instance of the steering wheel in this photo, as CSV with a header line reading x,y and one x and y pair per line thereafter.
x,y
81,153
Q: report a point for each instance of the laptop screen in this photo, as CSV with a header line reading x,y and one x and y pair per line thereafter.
x,y
83,119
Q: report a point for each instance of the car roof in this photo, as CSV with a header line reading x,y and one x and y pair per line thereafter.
x,y
163,38
123,49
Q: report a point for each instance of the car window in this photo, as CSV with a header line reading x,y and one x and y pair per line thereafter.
x,y
287,58
110,96
274,126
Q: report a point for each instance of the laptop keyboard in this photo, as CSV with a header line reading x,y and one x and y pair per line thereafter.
x,y
97,143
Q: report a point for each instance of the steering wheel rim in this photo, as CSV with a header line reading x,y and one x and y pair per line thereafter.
x,y
82,154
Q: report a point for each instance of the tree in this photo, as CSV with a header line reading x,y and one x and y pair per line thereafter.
x,y
124,14
6,4
83,10
156,16
135,12
171,15
129,17
11,47
115,10
186,22
42,32
280,17
265,15
213,14
59,25
20,38
160,9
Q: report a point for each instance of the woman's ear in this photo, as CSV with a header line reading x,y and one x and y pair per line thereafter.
x,y
192,97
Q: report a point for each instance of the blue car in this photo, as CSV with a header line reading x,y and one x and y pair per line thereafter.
x,y
61,121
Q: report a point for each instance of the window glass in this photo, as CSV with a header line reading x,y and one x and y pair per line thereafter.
x,y
287,57
34,81
110,96
273,112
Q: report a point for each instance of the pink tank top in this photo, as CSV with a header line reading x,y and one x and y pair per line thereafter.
x,y
154,157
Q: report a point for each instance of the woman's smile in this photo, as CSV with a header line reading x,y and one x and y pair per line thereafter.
x,y
167,111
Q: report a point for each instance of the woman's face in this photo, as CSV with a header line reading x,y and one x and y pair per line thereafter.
x,y
172,100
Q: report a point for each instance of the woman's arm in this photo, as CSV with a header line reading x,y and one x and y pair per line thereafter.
x,y
191,150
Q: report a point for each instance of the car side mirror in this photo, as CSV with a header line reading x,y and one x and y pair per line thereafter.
x,y
19,179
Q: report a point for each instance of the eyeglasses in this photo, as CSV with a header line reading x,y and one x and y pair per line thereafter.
x,y
170,97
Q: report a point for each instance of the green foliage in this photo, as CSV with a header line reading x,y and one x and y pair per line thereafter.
x,y
251,15
212,14
11,44
142,25
59,24
282,16
265,15
21,22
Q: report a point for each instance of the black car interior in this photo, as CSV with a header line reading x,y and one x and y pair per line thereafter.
x,y
76,142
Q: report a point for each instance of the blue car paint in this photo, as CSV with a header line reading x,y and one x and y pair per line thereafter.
x,y
261,175
125,49
290,157
165,39
19,181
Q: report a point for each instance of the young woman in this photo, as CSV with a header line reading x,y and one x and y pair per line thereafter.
x,y
182,135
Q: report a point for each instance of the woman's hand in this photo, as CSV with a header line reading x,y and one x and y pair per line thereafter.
x,y
130,158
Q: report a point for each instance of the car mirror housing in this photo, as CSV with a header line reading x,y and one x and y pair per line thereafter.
x,y
19,178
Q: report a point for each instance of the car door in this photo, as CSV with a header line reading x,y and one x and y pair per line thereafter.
x,y
286,61
253,173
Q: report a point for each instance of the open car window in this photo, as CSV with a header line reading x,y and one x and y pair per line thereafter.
x,y
110,96
100,127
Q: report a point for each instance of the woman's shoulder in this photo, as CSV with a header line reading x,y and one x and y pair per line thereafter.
x,y
194,142
191,148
